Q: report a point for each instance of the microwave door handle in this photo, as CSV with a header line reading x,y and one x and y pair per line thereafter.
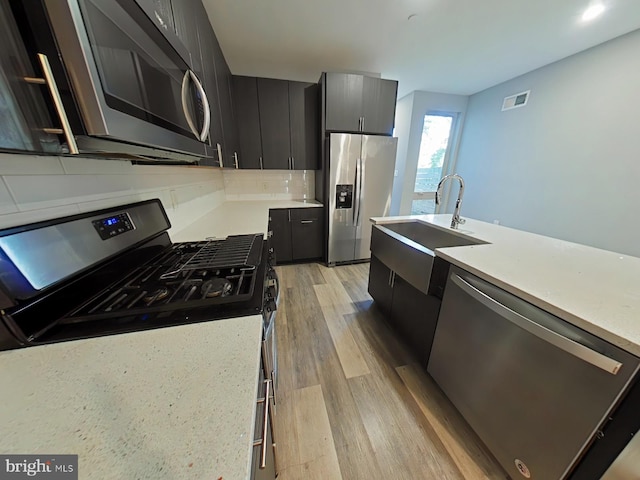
x,y
50,81
207,109
185,108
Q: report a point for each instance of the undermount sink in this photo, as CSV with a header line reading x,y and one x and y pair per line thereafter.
x,y
407,248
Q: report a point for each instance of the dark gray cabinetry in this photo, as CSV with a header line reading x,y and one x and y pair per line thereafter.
x,y
247,115
306,233
343,107
296,233
380,284
355,103
229,132
277,123
303,124
280,230
410,312
24,111
273,104
185,13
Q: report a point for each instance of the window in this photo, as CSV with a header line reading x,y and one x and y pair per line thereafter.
x,y
434,152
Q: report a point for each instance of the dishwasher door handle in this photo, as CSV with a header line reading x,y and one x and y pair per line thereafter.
x,y
573,348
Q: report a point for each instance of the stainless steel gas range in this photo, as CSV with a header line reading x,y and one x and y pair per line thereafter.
x,y
116,270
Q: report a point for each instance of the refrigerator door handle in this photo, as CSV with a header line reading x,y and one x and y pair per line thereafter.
x,y
356,193
360,170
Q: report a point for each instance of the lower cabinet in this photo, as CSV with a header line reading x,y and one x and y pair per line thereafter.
x,y
296,233
410,312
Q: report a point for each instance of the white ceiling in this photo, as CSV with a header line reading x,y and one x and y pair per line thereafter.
x,y
450,46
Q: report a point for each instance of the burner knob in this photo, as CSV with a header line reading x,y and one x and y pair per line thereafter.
x,y
270,305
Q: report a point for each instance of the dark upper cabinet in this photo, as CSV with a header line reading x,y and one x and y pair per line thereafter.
x,y
378,105
185,13
223,81
303,123
247,116
355,103
343,107
273,104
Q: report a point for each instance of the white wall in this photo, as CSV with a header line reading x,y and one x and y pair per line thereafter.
x,y
34,188
566,165
410,112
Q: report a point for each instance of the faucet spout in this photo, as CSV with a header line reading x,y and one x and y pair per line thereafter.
x,y
455,219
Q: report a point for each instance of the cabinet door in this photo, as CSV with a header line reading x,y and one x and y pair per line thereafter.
x,y
273,101
343,107
245,101
414,316
162,14
185,13
280,226
306,233
380,284
207,42
24,109
379,105
303,120
223,75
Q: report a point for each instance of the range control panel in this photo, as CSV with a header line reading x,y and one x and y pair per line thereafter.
x,y
344,196
113,226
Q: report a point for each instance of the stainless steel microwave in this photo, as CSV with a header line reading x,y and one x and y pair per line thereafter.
x,y
126,82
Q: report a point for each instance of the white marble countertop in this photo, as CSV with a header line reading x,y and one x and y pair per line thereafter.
x,y
596,290
236,218
170,403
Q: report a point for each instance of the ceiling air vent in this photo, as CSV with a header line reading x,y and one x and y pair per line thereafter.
x,y
515,101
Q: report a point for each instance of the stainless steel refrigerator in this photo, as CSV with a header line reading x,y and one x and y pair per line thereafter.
x,y
360,179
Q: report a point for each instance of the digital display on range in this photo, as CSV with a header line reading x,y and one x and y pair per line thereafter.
x,y
113,226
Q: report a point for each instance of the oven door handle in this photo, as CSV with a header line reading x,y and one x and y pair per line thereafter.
x,y
262,442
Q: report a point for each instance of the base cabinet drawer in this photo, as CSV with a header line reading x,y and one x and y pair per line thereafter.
x,y
296,234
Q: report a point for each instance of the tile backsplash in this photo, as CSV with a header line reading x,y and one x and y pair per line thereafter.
x,y
34,188
269,184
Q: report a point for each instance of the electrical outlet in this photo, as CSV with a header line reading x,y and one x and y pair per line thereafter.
x,y
496,222
174,199
395,173
264,186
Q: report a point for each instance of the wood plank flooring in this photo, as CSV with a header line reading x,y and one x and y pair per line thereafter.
x,y
352,401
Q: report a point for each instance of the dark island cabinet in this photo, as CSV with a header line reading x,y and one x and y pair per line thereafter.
x,y
359,104
296,234
247,116
408,311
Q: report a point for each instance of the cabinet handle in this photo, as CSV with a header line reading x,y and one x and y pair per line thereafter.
x,y
289,214
235,156
306,221
261,167
362,129
393,279
219,149
293,163
263,441
389,279
50,81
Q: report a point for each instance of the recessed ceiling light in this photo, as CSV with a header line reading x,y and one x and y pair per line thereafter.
x,y
592,12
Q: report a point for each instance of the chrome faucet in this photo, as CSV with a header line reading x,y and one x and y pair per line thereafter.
x,y
455,220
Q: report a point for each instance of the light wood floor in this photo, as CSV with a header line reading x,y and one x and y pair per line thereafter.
x,y
352,402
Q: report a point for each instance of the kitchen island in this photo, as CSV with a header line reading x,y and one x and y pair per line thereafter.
x,y
593,289
173,402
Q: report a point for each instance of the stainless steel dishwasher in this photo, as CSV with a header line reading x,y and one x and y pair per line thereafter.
x,y
535,388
